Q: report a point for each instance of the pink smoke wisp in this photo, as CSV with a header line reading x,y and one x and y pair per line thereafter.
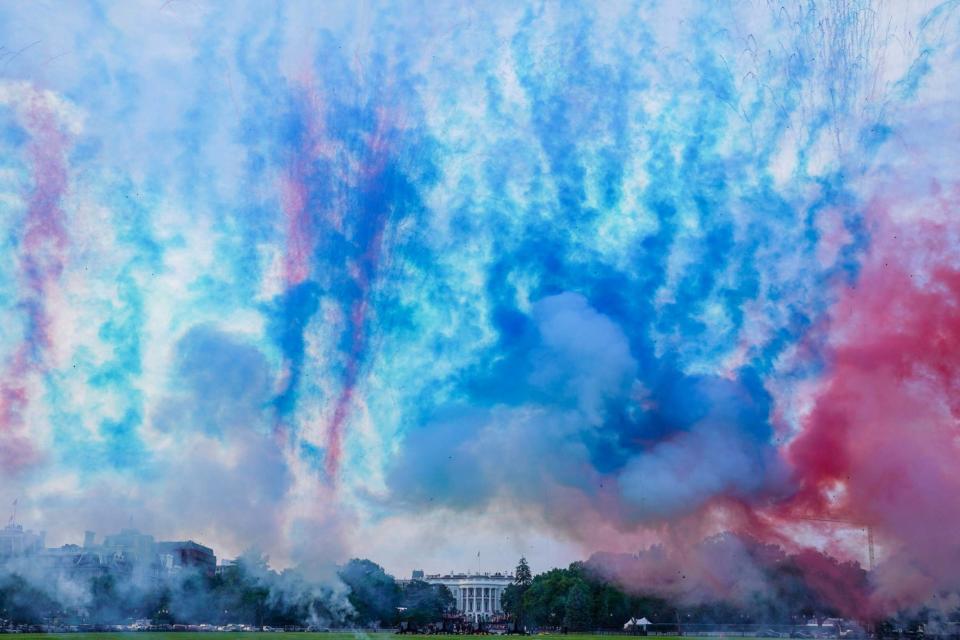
x,y
40,264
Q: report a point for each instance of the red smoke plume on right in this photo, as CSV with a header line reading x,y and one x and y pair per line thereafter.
x,y
880,446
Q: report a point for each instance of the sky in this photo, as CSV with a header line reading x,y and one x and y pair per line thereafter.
x,y
444,285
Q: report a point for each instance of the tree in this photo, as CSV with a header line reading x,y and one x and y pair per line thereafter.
x,y
544,603
578,615
103,599
23,603
512,600
522,576
423,602
374,595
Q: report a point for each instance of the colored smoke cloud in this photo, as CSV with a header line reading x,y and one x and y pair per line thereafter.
x,y
635,273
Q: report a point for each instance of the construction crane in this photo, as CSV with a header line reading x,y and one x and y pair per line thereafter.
x,y
871,556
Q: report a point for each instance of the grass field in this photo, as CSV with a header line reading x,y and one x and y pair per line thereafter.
x,y
187,635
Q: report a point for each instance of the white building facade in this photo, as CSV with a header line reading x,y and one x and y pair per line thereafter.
x,y
479,596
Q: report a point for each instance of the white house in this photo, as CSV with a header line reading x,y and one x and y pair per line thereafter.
x,y
478,595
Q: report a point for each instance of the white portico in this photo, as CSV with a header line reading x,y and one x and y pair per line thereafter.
x,y
478,595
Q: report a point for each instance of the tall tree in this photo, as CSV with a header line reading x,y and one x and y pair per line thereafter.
x,y
544,603
422,602
514,594
578,616
522,577
373,593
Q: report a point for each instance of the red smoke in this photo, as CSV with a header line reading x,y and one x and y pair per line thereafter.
x,y
881,444
761,578
39,267
842,584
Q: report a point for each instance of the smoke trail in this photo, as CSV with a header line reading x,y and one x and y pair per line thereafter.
x,y
40,262
359,220
375,210
337,201
299,239
295,187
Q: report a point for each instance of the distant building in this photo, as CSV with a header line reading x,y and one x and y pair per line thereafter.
x,y
478,595
128,553
76,562
187,554
137,547
15,542
228,568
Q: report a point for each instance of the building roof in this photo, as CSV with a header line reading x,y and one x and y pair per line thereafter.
x,y
469,576
170,545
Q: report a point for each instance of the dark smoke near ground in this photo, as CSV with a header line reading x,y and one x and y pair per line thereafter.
x,y
726,579
247,592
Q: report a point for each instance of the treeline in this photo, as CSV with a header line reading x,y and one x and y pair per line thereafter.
x,y
724,580
797,588
248,593
602,593
576,599
579,599
377,599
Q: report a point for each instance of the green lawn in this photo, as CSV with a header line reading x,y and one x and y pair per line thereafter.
x,y
187,635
